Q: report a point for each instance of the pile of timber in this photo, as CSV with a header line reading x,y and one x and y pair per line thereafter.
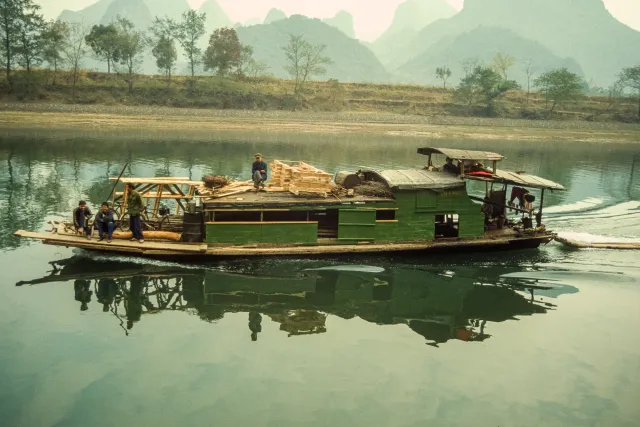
x,y
300,178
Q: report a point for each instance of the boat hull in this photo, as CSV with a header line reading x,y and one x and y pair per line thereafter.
x,y
170,250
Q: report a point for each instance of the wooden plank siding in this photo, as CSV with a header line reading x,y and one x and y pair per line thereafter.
x,y
247,233
417,211
357,225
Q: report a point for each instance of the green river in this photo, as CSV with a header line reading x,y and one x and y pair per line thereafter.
x,y
539,337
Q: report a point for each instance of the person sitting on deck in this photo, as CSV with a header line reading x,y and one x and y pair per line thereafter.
x,y
81,216
134,209
259,172
450,167
105,222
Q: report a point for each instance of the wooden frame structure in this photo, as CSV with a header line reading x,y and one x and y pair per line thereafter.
x,y
178,189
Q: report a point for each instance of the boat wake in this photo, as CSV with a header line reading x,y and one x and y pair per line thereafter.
x,y
588,238
582,206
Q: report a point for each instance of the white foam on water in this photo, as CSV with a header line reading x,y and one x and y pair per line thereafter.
x,y
594,238
582,205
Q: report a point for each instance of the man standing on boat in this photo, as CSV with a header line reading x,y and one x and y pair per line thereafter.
x,y
81,216
134,209
259,172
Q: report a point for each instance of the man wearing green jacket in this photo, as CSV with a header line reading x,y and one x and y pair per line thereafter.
x,y
134,209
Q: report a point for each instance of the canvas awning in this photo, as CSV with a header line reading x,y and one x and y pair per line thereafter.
x,y
462,154
519,179
418,179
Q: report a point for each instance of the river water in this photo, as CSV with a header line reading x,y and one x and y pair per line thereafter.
x,y
545,337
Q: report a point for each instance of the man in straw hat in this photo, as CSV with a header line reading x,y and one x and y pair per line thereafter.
x,y
259,172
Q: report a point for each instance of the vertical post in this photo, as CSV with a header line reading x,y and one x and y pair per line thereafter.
x,y
539,215
495,169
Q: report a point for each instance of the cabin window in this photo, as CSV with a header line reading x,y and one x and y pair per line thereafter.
x,y
385,215
447,226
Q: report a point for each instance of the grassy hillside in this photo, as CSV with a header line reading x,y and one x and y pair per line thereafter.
x,y
277,94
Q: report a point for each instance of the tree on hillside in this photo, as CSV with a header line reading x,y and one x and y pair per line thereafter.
x,y
29,47
166,55
54,37
255,68
470,64
12,27
131,45
305,60
501,64
560,86
224,52
484,82
630,78
529,72
444,74
190,31
74,51
164,33
105,43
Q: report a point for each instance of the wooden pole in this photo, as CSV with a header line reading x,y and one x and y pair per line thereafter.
x,y
117,180
539,214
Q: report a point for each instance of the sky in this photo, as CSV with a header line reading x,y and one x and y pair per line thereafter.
x,y
370,21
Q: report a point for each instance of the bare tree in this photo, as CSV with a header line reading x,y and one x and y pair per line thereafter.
x,y
190,31
132,46
469,65
75,50
501,64
444,74
530,73
256,68
305,60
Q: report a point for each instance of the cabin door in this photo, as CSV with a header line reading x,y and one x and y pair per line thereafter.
x,y
357,225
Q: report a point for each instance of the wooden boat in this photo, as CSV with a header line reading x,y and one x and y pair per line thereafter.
x,y
305,213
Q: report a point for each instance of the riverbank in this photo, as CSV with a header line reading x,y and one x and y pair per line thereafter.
x,y
18,117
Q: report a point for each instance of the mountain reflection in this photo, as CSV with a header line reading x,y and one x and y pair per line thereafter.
x,y
439,305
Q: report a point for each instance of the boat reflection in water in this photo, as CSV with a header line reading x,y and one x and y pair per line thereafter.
x,y
440,305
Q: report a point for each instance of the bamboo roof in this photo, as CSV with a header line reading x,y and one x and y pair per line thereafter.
x,y
519,178
462,154
418,179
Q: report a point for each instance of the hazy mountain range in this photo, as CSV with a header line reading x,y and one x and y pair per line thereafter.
x,y
424,34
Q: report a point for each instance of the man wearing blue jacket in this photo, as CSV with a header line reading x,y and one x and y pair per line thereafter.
x,y
105,222
259,172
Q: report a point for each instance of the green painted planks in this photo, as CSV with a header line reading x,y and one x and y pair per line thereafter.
x,y
241,234
358,224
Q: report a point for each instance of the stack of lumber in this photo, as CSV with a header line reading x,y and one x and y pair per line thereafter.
x,y
299,178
